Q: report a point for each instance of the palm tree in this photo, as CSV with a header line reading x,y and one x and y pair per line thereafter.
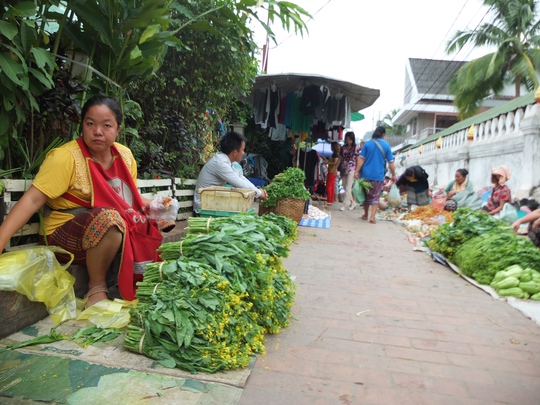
x,y
515,34
392,129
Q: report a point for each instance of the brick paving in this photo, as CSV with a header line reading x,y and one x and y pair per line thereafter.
x,y
378,323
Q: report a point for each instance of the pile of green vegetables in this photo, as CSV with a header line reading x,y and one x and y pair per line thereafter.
x,y
208,305
189,317
484,256
288,184
466,225
517,282
483,246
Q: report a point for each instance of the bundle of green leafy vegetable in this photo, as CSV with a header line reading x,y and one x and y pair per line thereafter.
x,y
467,224
250,262
484,256
364,184
278,229
288,184
272,232
288,225
189,317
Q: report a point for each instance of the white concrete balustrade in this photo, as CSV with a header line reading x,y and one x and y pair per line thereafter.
x,y
512,139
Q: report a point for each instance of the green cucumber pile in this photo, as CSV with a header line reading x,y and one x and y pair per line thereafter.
x,y
484,248
517,282
207,306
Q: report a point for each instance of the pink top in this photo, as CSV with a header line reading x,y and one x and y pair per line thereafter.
x,y
498,197
349,158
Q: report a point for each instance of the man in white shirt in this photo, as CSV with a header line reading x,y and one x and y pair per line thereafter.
x,y
219,170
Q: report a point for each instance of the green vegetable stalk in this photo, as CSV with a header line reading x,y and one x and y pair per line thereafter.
x,y
288,184
466,225
482,257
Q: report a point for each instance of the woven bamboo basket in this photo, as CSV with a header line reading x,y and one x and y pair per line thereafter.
x,y
289,207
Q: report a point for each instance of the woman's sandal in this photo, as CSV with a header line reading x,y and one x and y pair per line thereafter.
x,y
364,217
372,221
93,291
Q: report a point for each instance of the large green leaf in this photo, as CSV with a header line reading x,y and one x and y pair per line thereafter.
x,y
11,69
4,122
8,30
45,79
149,33
43,57
89,13
25,9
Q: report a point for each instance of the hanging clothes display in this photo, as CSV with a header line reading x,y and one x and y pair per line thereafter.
x,y
273,98
300,110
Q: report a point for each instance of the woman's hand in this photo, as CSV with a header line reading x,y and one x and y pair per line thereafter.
x,y
450,194
535,225
515,226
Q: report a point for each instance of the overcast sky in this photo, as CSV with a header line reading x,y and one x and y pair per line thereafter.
x,y
368,43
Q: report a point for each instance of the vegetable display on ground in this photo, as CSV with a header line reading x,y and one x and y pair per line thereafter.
x,y
482,257
288,184
207,306
517,282
467,224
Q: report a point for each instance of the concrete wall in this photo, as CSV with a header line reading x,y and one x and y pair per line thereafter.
x,y
512,139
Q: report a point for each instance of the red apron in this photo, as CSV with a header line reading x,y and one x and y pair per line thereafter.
x,y
142,236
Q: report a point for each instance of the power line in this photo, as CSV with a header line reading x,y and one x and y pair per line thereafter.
x,y
317,12
453,59
430,61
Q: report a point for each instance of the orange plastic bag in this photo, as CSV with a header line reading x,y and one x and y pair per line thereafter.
x,y
438,203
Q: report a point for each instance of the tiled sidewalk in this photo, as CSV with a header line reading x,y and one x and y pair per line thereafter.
x,y
378,323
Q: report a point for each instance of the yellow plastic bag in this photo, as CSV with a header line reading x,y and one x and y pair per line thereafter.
x,y
109,314
36,273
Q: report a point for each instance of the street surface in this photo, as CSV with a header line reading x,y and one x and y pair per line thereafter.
x,y
378,323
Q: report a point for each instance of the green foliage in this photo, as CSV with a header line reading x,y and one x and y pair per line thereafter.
x,y
392,129
515,33
24,69
466,225
117,47
288,184
124,40
482,257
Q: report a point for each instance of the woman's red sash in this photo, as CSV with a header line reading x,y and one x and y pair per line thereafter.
x,y
142,236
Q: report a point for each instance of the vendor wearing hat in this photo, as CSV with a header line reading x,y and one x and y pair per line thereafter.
x,y
500,193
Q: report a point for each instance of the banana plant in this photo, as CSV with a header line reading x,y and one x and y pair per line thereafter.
x,y
122,39
25,66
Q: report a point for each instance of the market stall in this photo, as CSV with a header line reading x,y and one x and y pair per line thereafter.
x,y
307,107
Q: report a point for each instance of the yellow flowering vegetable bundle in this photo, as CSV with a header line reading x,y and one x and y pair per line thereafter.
x,y
208,305
189,317
244,260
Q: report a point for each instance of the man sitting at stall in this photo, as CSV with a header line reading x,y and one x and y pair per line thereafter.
x,y
219,170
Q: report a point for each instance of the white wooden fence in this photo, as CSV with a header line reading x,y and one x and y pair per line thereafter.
x,y
181,189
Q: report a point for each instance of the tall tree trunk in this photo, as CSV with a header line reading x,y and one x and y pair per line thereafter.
x,y
518,86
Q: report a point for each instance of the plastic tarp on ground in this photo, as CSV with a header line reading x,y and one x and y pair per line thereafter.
x,y
531,309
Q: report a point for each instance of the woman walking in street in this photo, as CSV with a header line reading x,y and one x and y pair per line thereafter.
x,y
349,155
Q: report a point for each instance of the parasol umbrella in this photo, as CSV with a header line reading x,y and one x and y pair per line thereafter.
x,y
323,148
360,97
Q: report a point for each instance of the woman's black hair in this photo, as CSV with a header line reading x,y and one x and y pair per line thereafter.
x,y
103,100
231,141
463,172
351,135
378,133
